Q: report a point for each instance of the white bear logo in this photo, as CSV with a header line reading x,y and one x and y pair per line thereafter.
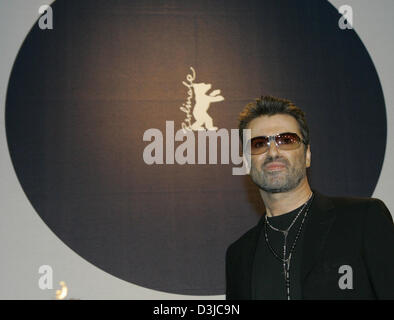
x,y
202,104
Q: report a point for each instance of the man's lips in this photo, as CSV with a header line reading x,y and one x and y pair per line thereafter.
x,y
275,166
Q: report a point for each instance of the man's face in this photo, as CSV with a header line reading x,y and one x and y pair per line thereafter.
x,y
278,170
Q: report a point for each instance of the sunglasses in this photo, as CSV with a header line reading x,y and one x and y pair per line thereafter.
x,y
283,141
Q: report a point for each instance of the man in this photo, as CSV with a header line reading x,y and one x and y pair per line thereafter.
x,y
307,245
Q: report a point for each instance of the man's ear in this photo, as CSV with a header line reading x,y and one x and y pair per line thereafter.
x,y
246,153
246,159
308,156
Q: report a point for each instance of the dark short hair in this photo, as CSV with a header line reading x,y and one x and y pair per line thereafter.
x,y
269,106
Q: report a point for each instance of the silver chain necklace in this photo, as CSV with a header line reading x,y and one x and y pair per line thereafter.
x,y
286,261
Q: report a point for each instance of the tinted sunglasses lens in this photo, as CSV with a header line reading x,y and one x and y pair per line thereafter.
x,y
288,141
258,145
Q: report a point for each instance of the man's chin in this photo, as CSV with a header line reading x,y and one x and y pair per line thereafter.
x,y
277,185
274,190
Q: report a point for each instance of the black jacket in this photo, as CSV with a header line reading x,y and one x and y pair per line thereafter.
x,y
357,232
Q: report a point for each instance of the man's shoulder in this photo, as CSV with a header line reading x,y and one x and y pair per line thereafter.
x,y
350,201
357,205
345,201
246,239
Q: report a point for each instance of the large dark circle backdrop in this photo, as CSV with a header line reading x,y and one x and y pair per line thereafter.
x,y
82,95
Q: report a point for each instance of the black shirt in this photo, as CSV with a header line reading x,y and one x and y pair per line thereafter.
x,y
268,278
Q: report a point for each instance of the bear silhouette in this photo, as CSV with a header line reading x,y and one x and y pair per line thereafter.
x,y
202,105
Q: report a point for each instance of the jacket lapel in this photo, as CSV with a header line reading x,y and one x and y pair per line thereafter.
x,y
320,219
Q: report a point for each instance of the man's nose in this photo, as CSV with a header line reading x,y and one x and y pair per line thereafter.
x,y
272,149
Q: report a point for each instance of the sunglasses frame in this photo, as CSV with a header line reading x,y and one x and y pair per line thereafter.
x,y
273,138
